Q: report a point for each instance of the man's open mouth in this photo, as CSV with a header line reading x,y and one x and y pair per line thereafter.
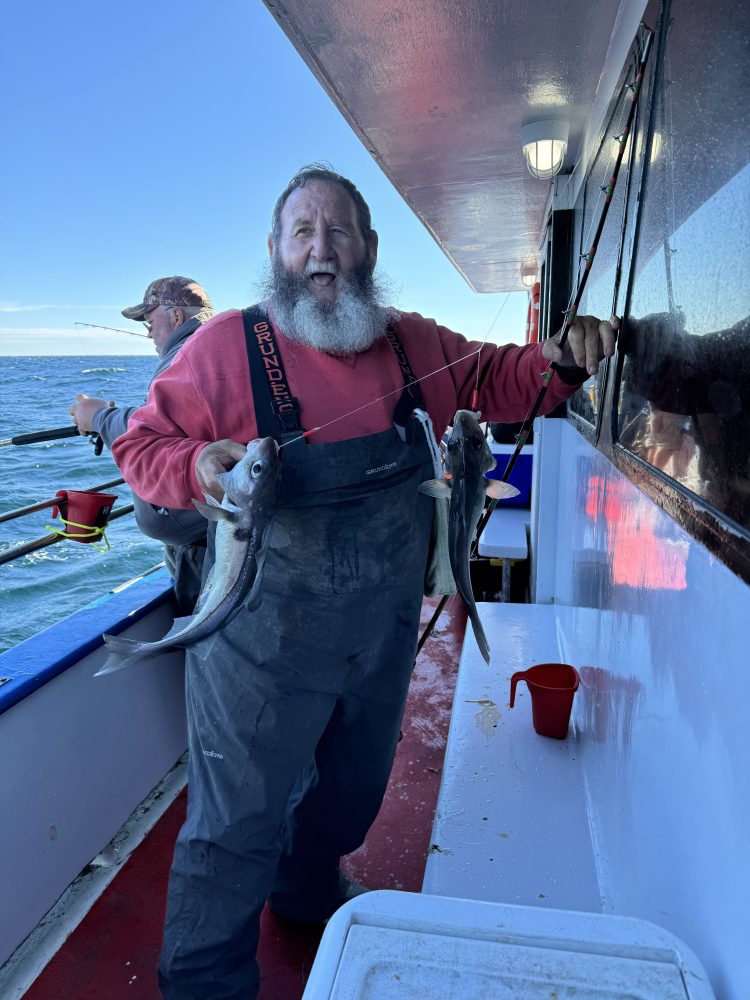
x,y
322,278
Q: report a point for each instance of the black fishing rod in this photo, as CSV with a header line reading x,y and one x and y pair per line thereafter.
x,y
34,437
570,313
54,434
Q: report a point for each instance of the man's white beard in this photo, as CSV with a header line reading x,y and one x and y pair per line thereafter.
x,y
349,325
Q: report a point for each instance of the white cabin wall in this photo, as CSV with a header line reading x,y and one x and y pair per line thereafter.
x,y
661,719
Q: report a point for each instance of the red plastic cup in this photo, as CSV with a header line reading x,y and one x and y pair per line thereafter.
x,y
552,687
86,513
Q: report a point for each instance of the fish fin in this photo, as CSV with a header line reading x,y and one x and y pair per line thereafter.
x,y
437,488
122,653
211,512
177,626
205,590
498,490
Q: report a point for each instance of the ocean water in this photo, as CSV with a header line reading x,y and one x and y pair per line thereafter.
x,y
46,586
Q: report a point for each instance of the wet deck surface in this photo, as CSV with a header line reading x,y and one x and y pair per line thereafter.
x,y
113,953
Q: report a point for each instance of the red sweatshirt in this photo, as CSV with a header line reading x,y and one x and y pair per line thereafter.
x,y
205,395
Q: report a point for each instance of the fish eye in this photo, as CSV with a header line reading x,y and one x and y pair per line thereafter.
x,y
257,469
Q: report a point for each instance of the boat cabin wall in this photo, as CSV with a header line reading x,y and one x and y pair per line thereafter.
x,y
642,495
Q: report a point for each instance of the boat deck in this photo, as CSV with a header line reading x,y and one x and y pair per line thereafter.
x,y
113,953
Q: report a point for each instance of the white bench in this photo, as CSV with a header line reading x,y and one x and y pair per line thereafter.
x,y
511,822
505,539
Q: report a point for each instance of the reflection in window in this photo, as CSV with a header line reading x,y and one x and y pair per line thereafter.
x,y
684,402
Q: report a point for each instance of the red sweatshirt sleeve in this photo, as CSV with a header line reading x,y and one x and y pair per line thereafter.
x,y
509,376
184,413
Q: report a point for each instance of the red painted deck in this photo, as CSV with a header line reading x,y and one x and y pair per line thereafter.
x,y
113,953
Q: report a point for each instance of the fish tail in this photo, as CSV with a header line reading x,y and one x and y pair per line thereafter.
x,y
481,638
122,652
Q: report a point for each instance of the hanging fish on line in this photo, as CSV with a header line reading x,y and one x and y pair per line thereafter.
x,y
242,534
468,457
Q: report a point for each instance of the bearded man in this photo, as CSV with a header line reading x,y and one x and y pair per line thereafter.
x,y
294,714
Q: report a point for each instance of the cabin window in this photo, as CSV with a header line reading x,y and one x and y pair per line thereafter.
x,y
684,393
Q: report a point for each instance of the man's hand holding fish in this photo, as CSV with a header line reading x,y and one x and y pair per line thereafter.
x,y
215,459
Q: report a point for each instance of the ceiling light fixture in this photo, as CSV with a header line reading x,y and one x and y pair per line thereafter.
x,y
528,273
544,146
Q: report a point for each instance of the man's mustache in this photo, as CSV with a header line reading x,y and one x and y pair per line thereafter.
x,y
321,267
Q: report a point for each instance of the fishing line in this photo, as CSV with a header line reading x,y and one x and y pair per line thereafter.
x,y
571,312
379,399
574,301
475,396
394,392
114,329
634,56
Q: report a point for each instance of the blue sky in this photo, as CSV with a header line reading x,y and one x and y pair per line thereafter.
x,y
150,139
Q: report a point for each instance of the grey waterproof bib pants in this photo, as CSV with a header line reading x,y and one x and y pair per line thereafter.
x,y
294,717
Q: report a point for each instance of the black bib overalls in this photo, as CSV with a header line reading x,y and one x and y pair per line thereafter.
x,y
294,717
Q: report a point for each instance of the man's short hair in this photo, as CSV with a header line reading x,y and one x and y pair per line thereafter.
x,y
321,172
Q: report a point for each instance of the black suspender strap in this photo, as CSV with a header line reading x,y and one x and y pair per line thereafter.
x,y
411,397
276,409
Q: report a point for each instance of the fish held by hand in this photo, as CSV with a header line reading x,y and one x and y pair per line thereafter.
x,y
242,533
468,458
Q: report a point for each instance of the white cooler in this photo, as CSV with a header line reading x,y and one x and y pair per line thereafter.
x,y
388,945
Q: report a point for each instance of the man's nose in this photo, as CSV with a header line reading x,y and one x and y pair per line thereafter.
x,y
322,247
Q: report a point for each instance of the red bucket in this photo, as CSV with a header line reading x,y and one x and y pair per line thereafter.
x,y
85,514
552,687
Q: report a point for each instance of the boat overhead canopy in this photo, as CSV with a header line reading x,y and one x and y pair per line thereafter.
x,y
438,90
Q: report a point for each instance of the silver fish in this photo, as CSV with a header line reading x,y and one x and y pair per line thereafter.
x,y
242,533
468,458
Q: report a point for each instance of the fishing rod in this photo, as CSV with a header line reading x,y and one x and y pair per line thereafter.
x,y
570,313
114,329
54,434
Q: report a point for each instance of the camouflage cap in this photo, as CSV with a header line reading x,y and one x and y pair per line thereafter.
x,y
174,291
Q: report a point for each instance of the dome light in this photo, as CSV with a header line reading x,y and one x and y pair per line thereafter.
x,y
528,274
544,146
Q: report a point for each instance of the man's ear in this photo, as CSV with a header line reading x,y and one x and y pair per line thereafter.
x,y
372,246
270,244
179,317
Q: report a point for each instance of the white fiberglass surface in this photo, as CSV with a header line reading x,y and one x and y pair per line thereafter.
x,y
664,721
